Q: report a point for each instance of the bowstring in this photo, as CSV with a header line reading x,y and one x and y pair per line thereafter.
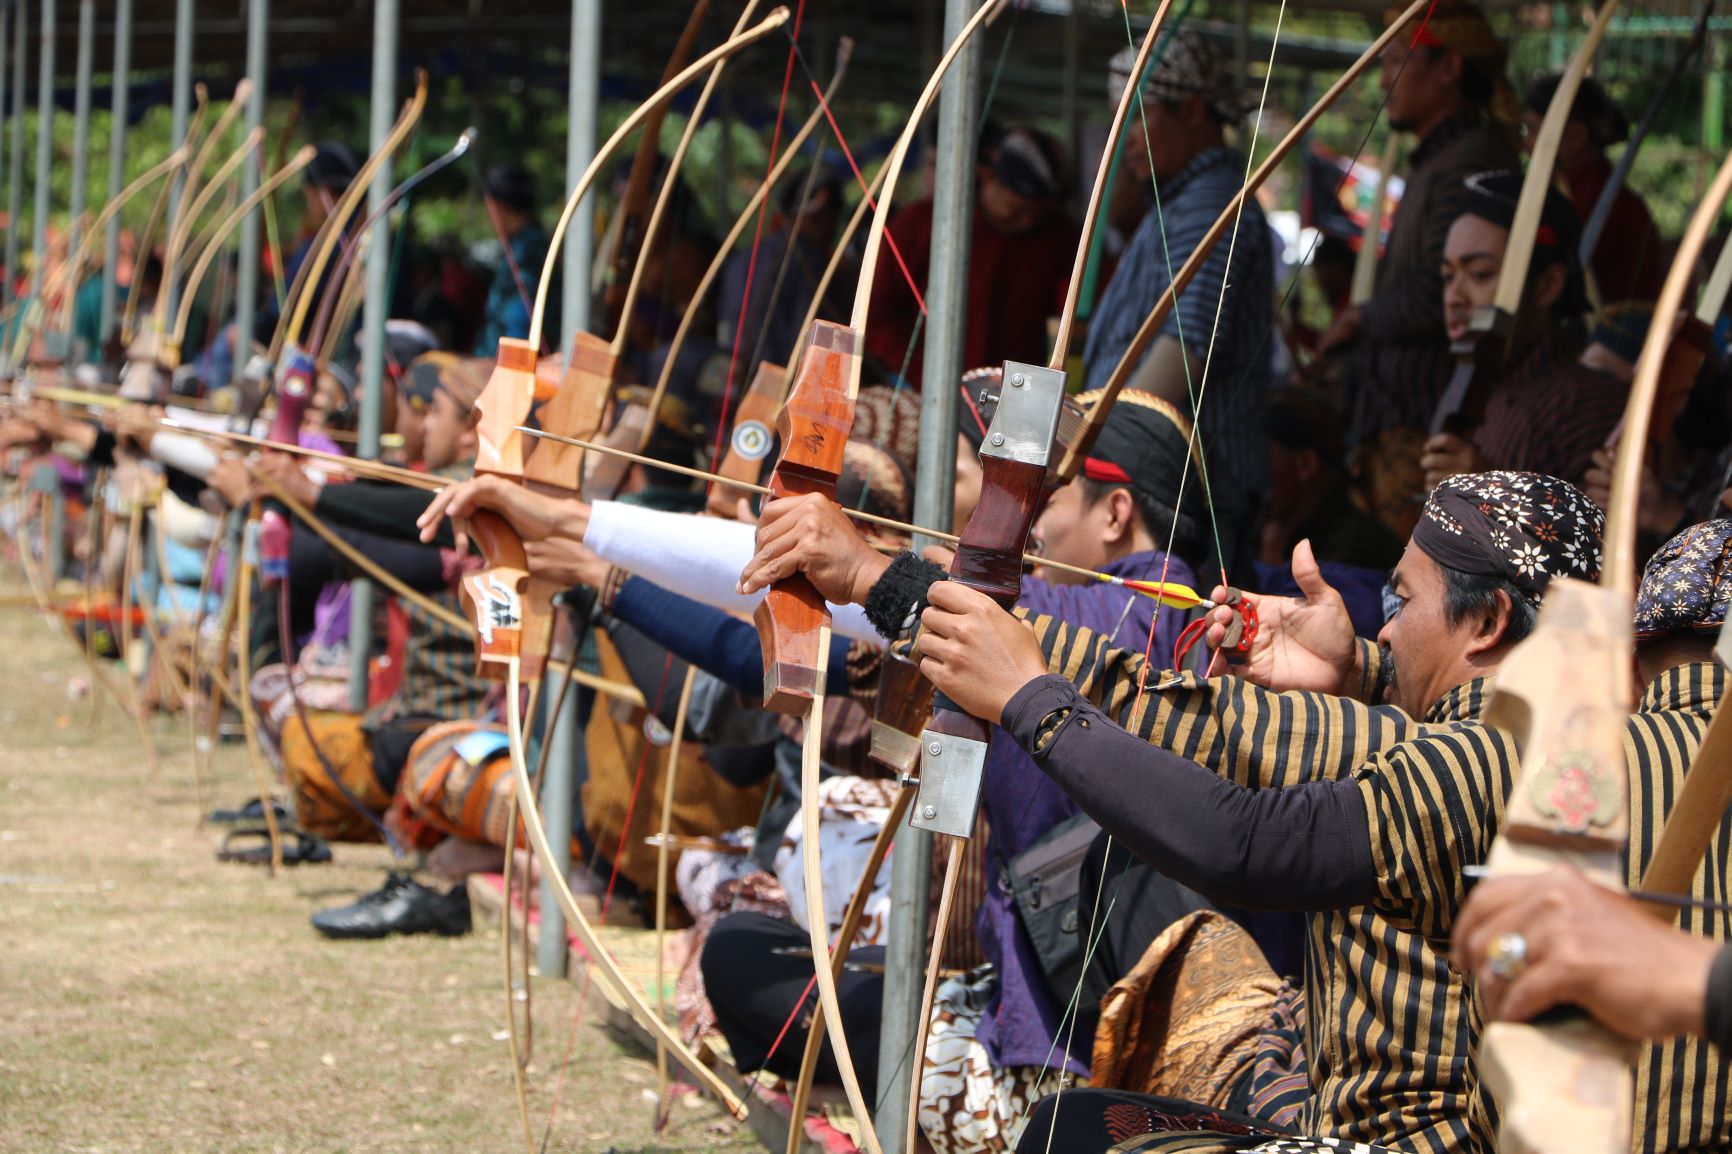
x,y
1347,174
758,228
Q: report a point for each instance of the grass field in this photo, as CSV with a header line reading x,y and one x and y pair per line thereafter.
x,y
152,999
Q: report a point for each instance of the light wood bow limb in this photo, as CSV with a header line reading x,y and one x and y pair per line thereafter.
x,y
661,96
725,250
1701,803
176,337
599,959
146,243
1365,262
196,195
312,271
89,239
630,240
1078,449
1565,695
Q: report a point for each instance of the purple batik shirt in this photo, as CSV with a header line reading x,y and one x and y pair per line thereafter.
x,y
1022,803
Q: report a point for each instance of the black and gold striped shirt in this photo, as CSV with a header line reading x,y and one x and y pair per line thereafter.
x,y
1683,1095
1392,1027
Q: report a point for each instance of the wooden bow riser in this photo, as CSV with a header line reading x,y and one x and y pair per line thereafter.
x,y
577,397
1564,695
1013,465
903,709
495,595
752,440
1479,360
576,404
813,428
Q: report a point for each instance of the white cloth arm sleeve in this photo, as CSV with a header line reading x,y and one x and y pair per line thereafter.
x,y
696,557
181,451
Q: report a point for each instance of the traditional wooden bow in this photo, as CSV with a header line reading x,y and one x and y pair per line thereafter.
x,y
1479,354
630,236
54,342
1701,803
498,592
793,622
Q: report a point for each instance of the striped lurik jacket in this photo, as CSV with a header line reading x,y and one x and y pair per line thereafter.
x,y
1392,1027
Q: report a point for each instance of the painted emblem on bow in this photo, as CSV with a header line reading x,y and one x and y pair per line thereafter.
x,y
496,607
752,440
1575,792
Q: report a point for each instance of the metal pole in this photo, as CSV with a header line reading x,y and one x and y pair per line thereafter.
x,y
558,796
7,155
934,494
44,147
583,102
15,178
81,126
559,786
183,18
116,159
383,114
247,275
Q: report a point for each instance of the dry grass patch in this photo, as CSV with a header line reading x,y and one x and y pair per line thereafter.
x,y
156,1000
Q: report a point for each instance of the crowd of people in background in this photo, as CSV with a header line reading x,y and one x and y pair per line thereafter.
x,y
1285,845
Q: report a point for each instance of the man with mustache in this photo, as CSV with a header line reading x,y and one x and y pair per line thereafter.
x,y
1361,815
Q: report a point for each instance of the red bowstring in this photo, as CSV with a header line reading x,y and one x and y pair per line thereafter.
x,y
866,191
757,235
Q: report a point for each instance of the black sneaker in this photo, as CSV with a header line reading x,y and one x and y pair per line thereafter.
x,y
401,906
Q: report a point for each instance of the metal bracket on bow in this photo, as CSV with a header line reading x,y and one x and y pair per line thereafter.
x,y
1016,450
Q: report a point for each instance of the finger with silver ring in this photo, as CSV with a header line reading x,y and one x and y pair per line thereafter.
x,y
1508,956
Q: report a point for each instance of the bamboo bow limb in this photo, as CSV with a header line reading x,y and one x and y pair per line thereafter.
x,y
724,250
221,234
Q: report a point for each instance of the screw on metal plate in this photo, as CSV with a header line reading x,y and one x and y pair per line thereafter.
x,y
928,812
935,749
998,438
1017,381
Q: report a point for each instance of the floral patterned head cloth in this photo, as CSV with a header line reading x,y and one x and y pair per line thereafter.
x,y
1525,527
1688,583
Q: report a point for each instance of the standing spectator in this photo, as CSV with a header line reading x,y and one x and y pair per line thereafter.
x,y
1019,260
511,201
1193,97
1629,260
1445,85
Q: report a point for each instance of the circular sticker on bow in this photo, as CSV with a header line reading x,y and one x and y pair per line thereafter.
x,y
752,440
658,734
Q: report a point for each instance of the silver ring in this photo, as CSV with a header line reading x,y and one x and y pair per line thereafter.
x,y
1508,956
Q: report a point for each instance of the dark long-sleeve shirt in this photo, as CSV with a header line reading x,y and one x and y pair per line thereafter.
x,y
706,637
1392,1027
380,507
1395,376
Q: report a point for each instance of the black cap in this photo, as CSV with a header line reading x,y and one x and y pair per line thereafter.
x,y
1030,163
1142,445
333,166
511,186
